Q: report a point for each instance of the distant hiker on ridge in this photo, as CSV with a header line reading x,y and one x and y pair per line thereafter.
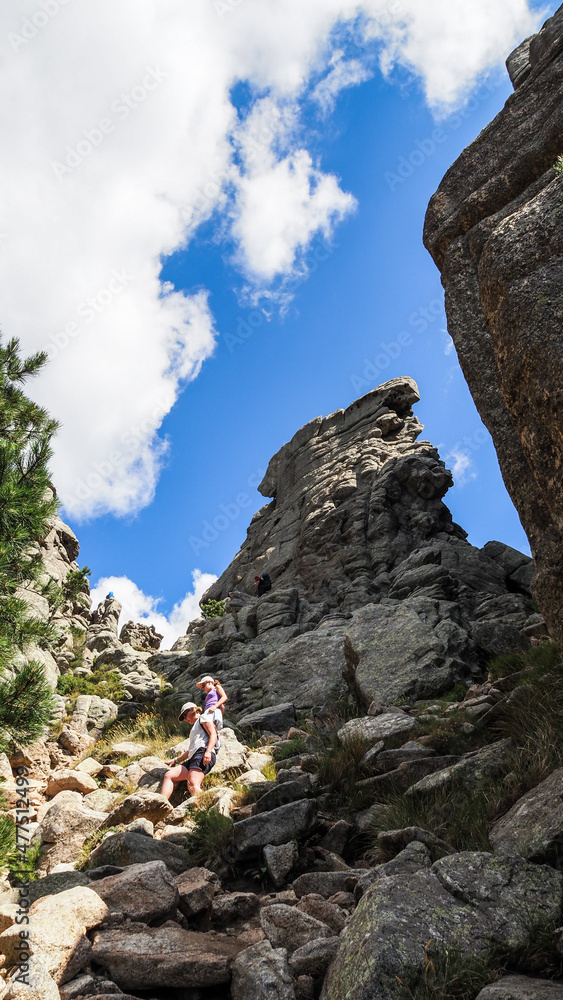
x,y
262,584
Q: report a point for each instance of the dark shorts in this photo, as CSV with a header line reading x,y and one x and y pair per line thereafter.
x,y
195,763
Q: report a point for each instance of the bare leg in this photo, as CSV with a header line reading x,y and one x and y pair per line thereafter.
x,y
195,779
175,774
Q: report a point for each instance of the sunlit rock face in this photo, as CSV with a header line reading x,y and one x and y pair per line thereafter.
x,y
495,230
376,593
354,496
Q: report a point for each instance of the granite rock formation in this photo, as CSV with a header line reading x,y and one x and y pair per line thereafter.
x,y
376,591
59,550
495,230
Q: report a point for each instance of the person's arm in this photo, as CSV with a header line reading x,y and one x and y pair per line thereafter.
x,y
223,696
177,760
212,733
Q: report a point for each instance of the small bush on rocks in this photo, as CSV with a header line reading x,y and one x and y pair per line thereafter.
x,y
339,768
289,748
450,975
104,681
210,842
544,657
456,815
213,609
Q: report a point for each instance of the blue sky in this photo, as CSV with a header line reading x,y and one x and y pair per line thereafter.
x,y
365,305
267,378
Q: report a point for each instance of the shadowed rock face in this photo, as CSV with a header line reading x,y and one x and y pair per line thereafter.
x,y
495,230
353,495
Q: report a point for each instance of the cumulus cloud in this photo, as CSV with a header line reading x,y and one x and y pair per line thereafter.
x,y
123,139
141,607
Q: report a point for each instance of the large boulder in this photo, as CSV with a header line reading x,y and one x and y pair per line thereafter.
x,y
140,804
470,902
410,649
471,770
58,926
522,988
40,984
142,892
64,828
147,772
279,860
533,827
197,888
274,719
286,926
261,973
91,713
122,849
140,637
102,631
66,780
289,822
371,729
144,958
307,670
327,883
313,958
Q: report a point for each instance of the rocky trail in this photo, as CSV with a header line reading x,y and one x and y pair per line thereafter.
x,y
385,819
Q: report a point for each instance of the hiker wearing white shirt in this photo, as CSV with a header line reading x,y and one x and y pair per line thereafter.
x,y
201,754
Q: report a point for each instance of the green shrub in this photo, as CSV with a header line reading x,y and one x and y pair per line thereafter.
x,y
20,867
213,609
76,583
338,767
18,722
457,815
542,658
558,167
290,748
209,845
457,693
104,681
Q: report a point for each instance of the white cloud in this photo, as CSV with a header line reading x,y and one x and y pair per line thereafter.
x,y
123,138
449,346
281,200
140,607
344,73
461,466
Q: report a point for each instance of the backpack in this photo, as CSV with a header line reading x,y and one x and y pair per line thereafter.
x,y
267,582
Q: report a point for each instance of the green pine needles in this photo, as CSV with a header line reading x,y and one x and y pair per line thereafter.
x,y
212,608
27,503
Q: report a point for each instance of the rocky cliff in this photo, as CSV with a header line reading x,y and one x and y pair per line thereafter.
x,y
495,230
376,591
